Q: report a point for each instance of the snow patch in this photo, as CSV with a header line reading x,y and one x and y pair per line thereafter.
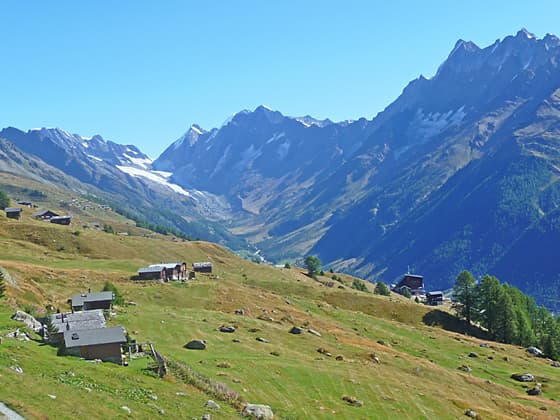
x,y
142,162
275,137
221,161
196,130
283,150
95,158
154,177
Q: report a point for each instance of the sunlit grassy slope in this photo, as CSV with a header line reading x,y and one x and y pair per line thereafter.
x,y
417,376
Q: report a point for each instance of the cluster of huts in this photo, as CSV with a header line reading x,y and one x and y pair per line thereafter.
x,y
178,271
83,332
414,285
46,215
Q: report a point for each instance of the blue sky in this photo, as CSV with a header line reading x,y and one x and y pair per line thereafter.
x,y
143,71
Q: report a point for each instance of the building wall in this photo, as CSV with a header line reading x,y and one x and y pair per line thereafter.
x,y
106,352
88,306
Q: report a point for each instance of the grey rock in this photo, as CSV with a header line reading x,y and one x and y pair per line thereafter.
x,y
296,330
262,340
484,345
125,408
212,404
555,364
535,391
28,320
239,312
206,417
523,377
17,369
465,368
312,331
196,345
236,340
534,351
258,411
227,329
471,413
473,354
181,394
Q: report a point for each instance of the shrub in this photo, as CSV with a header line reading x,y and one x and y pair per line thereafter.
x,y
110,287
359,285
287,265
381,289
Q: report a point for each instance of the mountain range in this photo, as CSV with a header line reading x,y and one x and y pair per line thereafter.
x,y
460,171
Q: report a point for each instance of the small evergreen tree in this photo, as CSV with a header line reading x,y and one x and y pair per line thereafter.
x,y
359,285
2,285
381,289
110,287
406,293
464,293
313,265
287,265
50,328
506,322
4,200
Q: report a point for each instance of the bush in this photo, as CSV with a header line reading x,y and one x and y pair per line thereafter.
x,y
406,293
287,265
313,265
381,289
110,287
359,285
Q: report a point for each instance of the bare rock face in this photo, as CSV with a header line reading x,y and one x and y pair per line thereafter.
x,y
28,320
258,411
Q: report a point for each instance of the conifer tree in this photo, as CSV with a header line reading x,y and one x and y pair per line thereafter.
x,y
506,322
2,285
464,293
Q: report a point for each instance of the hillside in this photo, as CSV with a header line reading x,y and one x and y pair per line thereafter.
x,y
417,375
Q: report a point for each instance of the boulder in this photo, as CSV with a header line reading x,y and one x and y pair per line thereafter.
x,y
534,351
473,354
465,368
534,391
212,404
28,320
125,408
196,345
471,413
296,330
484,345
258,411
239,312
352,401
227,329
312,331
523,377
555,364
262,340
206,417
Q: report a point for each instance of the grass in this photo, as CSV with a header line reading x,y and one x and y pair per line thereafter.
x,y
417,376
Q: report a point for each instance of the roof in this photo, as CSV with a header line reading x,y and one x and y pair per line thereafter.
x,y
156,268
94,337
202,264
79,320
60,218
79,298
412,281
436,293
12,209
43,212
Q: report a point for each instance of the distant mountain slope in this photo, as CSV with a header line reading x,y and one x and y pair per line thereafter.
x,y
119,174
459,172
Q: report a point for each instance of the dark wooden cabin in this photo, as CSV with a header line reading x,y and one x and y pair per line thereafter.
x,y
413,282
434,298
61,220
99,343
13,213
89,301
202,267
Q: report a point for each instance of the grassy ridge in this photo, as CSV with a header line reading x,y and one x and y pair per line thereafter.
x,y
417,376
